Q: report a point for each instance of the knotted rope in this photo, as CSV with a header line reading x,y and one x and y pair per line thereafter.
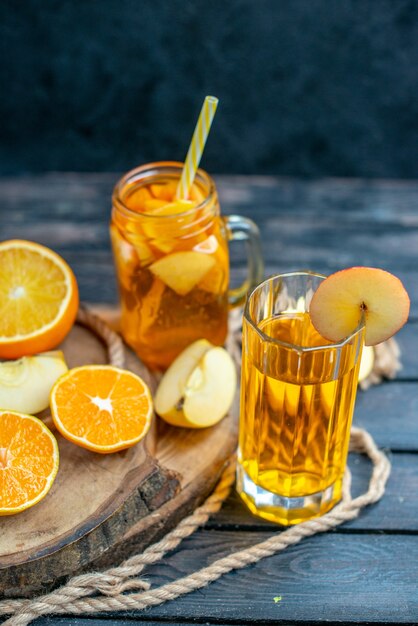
x,y
112,341
100,592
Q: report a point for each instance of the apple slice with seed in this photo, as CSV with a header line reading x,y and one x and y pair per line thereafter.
x,y
210,389
169,398
343,298
198,388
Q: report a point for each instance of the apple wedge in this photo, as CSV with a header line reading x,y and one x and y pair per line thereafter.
x,y
25,383
198,388
169,397
343,298
366,363
182,271
210,389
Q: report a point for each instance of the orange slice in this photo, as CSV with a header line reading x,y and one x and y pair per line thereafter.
x,y
174,208
151,205
135,201
165,191
101,407
28,461
38,299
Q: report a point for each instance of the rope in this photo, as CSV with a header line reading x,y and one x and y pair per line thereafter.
x,y
112,341
100,592
75,597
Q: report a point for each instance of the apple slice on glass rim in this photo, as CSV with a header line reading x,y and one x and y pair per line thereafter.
x,y
343,298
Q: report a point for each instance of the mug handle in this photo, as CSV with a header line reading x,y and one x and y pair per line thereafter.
x,y
244,229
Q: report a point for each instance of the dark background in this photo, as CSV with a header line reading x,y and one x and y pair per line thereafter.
x,y
306,87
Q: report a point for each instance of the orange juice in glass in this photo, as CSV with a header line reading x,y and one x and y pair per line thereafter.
x,y
297,399
172,261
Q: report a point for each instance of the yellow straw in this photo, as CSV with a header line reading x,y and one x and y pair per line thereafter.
x,y
197,146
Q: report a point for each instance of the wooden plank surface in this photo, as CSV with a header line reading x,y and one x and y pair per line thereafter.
x,y
323,225
396,512
365,571
334,577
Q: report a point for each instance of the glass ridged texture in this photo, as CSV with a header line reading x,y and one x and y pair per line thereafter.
x,y
161,313
297,399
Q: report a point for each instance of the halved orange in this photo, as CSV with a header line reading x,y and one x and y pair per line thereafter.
x,y
28,461
101,407
38,299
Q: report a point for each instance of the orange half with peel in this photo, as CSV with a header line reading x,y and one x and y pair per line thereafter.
x,y
38,299
29,461
101,407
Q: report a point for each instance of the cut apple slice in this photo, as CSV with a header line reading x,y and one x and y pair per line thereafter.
x,y
208,246
182,271
25,384
198,388
215,281
168,399
210,389
343,298
366,363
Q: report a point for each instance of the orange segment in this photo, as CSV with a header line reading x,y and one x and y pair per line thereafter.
x,y
165,191
38,299
135,201
28,461
174,208
154,203
101,408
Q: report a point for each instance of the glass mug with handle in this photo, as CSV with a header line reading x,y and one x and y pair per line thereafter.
x,y
297,399
172,261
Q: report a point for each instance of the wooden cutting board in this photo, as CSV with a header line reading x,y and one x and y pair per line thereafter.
x,y
103,508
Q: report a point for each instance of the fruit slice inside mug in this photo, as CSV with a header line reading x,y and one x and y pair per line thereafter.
x,y
101,407
343,298
38,299
28,461
182,271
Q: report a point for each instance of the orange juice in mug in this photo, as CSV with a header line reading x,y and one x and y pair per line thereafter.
x,y
172,261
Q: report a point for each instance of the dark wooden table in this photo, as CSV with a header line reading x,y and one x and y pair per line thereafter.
x,y
367,570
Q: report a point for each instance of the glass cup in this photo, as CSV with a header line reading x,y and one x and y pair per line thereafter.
x,y
172,261
297,399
